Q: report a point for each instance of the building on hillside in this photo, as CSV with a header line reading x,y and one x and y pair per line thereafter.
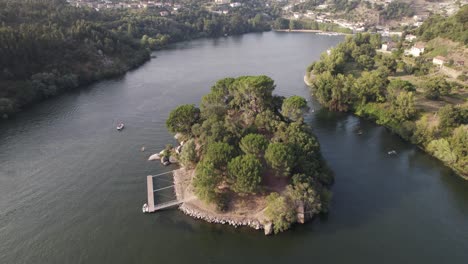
x,y
235,4
410,37
439,61
460,63
417,49
321,7
389,46
222,2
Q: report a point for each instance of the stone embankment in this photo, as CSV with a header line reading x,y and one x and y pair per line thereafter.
x,y
197,214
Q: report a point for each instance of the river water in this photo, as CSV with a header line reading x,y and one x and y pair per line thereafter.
x,y
71,186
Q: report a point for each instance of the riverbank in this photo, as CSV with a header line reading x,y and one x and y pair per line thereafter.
x,y
371,116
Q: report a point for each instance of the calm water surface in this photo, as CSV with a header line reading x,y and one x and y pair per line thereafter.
x,y
71,187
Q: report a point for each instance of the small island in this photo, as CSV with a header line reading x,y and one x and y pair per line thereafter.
x,y
247,157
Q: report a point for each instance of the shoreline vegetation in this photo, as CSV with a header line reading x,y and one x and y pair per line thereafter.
x,y
370,115
308,80
407,95
50,47
248,158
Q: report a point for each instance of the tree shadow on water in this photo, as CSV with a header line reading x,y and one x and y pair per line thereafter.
x,y
369,183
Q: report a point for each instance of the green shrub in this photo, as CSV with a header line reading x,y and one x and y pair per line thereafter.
x,y
280,212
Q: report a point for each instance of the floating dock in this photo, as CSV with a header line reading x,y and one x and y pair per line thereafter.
x,y
152,206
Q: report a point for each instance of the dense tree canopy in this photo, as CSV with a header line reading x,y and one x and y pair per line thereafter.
x,y
206,180
281,158
219,153
294,107
245,171
254,144
183,118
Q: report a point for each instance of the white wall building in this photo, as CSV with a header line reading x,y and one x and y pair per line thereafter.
x,y
439,60
417,49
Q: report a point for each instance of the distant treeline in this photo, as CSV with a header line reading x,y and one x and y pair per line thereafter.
x,y
283,23
396,10
49,46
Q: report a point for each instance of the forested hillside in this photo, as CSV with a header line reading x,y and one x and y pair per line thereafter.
x,y
405,95
49,46
454,27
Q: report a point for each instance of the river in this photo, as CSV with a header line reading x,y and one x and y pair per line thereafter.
x,y
71,186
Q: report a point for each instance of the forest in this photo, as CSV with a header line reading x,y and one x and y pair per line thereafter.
x,y
243,141
47,47
354,77
397,10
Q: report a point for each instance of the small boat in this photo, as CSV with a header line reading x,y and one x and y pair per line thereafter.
x,y
392,152
120,126
359,132
145,208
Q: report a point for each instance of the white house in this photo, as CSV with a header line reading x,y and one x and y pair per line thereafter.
x,y
222,2
389,46
417,49
321,7
439,61
235,4
410,37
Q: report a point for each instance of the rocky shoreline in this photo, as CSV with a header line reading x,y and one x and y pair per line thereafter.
x,y
306,80
220,220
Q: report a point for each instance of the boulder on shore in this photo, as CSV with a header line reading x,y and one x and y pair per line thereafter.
x,y
165,161
177,136
173,159
268,229
155,157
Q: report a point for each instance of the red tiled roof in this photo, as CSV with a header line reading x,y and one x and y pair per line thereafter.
x,y
442,58
419,45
